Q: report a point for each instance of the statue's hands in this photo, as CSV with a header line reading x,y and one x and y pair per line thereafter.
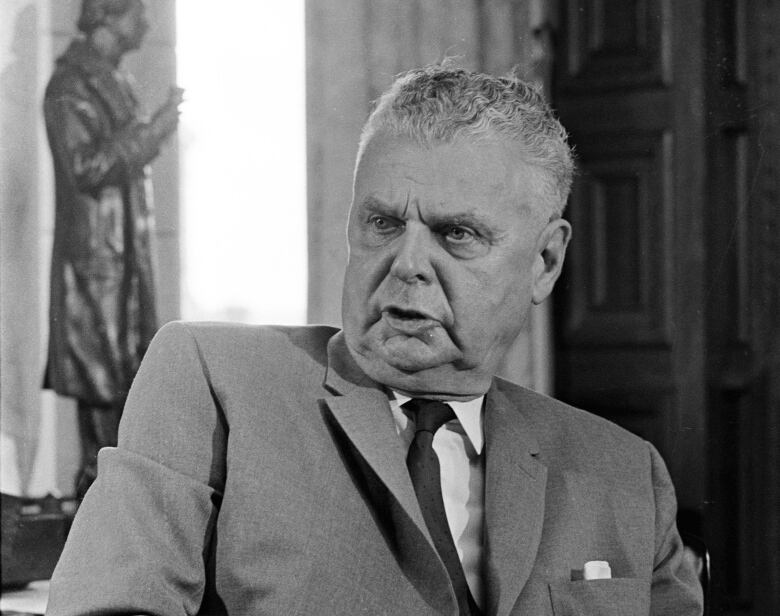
x,y
176,95
166,118
142,141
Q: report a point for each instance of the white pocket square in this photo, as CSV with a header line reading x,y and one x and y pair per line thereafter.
x,y
596,570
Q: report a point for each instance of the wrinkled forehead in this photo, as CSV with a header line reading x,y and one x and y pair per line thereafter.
x,y
471,171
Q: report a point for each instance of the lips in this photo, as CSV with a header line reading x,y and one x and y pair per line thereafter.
x,y
408,321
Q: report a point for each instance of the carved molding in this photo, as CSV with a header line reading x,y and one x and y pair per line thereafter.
x,y
616,44
620,211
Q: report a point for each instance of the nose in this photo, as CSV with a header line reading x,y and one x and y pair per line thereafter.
x,y
412,261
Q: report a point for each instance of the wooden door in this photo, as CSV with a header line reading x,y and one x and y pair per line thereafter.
x,y
664,305
631,344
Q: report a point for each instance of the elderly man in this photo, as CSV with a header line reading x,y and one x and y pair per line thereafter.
x,y
383,469
102,314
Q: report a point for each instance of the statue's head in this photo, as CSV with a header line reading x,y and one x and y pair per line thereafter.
x,y
125,19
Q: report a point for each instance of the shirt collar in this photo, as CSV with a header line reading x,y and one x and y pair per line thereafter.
x,y
469,415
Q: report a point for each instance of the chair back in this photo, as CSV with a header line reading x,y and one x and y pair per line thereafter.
x,y
698,554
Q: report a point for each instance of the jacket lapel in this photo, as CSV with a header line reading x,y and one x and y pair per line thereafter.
x,y
361,410
515,483
365,418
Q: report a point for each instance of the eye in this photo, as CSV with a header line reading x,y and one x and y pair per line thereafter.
x,y
459,235
382,224
379,222
464,242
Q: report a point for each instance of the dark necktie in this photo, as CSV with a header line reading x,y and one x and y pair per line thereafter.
x,y
423,464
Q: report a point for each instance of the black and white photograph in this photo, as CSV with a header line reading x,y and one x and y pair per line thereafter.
x,y
390,307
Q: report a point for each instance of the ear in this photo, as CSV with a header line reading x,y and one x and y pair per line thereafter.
x,y
550,253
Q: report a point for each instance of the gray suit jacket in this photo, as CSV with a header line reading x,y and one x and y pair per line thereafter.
x,y
258,472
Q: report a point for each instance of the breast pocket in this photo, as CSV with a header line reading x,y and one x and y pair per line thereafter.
x,y
613,597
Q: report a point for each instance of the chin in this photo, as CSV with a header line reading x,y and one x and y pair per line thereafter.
x,y
409,353
421,374
442,383
413,362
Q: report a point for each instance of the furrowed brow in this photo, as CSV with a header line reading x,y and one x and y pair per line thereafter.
x,y
375,204
465,219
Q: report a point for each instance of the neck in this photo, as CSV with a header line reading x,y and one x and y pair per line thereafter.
x,y
443,397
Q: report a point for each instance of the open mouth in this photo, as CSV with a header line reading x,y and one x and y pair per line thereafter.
x,y
410,322
398,313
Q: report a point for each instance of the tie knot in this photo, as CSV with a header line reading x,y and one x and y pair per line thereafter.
x,y
429,415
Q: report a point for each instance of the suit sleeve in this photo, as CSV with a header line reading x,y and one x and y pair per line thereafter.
x,y
675,588
140,539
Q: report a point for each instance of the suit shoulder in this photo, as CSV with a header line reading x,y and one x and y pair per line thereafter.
x,y
576,438
224,342
208,333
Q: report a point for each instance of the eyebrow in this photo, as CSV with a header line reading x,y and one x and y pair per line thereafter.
x,y
375,204
436,221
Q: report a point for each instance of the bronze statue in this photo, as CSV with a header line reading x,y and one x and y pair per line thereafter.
x,y
102,313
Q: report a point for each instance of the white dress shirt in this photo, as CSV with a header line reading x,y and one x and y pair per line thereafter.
x,y
458,445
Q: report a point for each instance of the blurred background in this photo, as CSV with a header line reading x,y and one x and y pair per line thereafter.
x,y
666,320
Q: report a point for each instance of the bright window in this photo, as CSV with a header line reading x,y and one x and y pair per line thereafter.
x,y
243,166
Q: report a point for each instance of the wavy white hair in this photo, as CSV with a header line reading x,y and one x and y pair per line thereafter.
x,y
438,103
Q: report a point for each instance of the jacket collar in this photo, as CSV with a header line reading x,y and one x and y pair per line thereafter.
x,y
515,480
361,409
82,56
343,375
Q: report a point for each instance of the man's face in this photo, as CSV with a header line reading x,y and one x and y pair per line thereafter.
x,y
447,252
131,26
